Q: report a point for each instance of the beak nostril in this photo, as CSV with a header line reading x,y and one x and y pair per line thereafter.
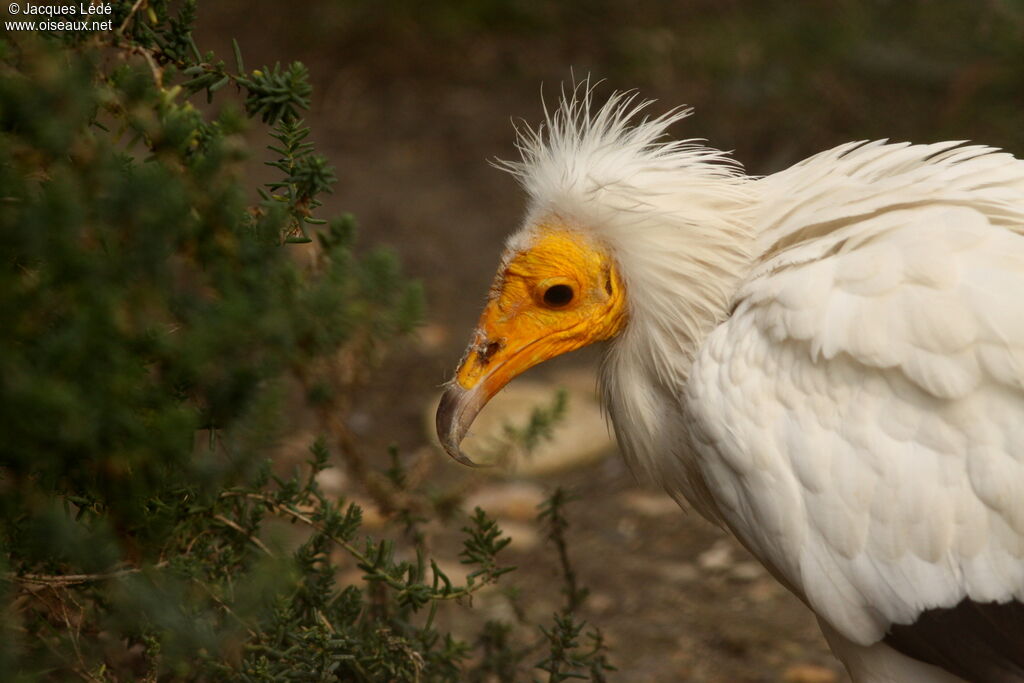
x,y
488,351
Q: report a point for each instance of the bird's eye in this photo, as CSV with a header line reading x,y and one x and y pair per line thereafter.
x,y
557,296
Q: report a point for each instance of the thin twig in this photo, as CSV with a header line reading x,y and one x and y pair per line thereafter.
x,y
237,527
73,631
72,579
158,72
131,13
575,595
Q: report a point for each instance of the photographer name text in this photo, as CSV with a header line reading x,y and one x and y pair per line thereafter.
x,y
81,9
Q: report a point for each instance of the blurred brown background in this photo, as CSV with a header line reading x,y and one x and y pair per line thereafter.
x,y
412,98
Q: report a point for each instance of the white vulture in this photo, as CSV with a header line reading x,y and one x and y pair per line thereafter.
x,y
827,361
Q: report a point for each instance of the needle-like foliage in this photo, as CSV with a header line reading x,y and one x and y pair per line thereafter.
x,y
155,326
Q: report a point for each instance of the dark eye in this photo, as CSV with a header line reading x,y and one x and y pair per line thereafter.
x,y
557,296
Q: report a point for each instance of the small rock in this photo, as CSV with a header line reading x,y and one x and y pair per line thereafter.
x,y
515,500
764,589
746,571
600,603
332,481
716,558
809,673
524,536
679,572
360,421
650,504
495,606
627,527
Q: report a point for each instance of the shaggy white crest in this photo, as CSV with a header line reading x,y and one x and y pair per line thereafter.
x,y
578,153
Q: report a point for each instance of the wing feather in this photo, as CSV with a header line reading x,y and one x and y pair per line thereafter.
x,y
872,437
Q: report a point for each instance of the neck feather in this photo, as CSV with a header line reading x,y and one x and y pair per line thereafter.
x,y
682,268
681,275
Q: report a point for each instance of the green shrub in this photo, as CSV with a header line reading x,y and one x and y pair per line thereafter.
x,y
155,324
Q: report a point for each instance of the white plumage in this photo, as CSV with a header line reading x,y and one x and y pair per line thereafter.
x,y
829,361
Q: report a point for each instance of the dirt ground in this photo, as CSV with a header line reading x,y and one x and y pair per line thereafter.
x,y
676,598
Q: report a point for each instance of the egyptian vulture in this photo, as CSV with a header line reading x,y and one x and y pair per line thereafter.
x,y
827,361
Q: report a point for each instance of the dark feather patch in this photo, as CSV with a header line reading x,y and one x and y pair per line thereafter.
x,y
981,642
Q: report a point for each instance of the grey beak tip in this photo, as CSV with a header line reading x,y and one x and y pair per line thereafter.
x,y
462,459
455,413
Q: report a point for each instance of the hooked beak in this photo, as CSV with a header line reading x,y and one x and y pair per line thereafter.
x,y
503,347
488,366
456,412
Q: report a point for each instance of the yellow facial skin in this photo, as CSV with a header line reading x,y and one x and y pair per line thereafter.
x,y
561,294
